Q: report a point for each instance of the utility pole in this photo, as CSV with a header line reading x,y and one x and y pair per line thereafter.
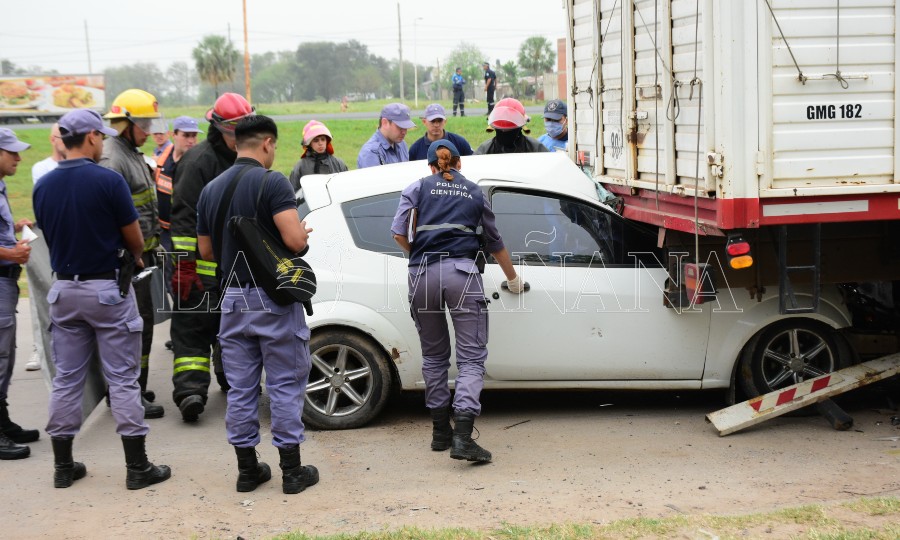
x,y
246,58
87,43
400,40
440,91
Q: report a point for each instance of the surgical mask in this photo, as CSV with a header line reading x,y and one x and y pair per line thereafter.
x,y
554,128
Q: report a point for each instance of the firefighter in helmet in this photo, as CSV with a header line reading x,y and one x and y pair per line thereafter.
x,y
195,284
132,115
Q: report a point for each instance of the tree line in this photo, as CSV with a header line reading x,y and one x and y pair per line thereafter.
x,y
320,70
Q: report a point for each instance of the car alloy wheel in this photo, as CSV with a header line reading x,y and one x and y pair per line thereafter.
x,y
790,351
349,381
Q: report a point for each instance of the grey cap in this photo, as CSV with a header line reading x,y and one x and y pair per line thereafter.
x,y
398,113
81,121
186,124
435,110
11,143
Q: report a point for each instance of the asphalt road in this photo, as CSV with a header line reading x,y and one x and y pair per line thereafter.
x,y
559,457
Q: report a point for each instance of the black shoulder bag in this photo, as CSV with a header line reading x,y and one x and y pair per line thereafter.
x,y
284,275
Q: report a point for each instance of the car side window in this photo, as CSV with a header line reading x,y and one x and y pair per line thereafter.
x,y
546,228
370,219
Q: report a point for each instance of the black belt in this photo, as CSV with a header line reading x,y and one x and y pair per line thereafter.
x,y
12,271
87,277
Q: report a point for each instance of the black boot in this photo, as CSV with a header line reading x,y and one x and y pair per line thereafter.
x,y
441,430
251,472
463,446
150,410
295,477
66,470
141,473
13,430
191,408
9,449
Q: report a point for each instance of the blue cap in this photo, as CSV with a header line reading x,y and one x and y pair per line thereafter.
x,y
398,113
186,124
82,121
432,150
555,109
11,143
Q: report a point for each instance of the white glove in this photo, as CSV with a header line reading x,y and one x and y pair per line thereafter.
x,y
516,286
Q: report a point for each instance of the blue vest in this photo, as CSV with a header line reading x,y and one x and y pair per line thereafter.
x,y
449,212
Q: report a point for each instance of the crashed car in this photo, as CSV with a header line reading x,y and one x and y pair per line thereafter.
x,y
597,315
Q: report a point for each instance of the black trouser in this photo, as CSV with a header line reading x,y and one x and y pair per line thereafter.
x,y
459,98
144,297
194,327
490,99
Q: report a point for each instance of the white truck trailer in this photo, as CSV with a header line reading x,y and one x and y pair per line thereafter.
x,y
771,124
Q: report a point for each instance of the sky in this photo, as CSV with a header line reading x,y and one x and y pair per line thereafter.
x,y
51,34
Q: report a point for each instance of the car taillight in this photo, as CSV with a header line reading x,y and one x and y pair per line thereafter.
x,y
738,252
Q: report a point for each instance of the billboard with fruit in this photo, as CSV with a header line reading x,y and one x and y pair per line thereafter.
x,y
52,93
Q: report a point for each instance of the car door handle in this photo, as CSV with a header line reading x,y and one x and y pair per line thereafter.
x,y
505,286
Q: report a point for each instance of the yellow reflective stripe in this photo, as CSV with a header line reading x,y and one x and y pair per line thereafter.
x,y
151,243
191,363
144,197
145,360
184,243
206,268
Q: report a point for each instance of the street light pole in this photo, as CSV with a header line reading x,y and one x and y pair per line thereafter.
x,y
400,49
247,86
416,62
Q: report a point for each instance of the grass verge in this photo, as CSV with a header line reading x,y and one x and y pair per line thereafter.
x,y
870,518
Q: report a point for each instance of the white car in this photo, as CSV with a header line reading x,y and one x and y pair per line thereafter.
x,y
594,316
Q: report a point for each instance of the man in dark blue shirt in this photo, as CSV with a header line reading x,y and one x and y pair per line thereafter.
x,y
434,121
251,323
490,85
88,217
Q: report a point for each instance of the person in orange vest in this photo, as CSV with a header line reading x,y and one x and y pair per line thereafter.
x,y
185,130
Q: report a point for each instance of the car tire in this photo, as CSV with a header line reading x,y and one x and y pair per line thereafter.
x,y
350,380
788,352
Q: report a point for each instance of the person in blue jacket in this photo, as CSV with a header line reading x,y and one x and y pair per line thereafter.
x,y
459,92
557,125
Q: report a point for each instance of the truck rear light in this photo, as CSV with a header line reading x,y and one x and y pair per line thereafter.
x,y
738,252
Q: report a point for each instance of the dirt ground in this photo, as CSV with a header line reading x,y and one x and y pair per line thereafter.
x,y
558,457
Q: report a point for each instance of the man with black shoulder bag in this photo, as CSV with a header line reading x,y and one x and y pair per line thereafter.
x,y
252,322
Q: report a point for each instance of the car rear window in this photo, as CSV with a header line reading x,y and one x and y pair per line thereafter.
x,y
370,219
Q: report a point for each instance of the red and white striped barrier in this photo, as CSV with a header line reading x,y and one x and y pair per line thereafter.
x,y
764,403
791,398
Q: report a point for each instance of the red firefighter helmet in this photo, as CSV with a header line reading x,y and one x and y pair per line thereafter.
x,y
227,110
508,114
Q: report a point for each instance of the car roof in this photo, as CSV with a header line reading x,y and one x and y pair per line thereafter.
x,y
551,171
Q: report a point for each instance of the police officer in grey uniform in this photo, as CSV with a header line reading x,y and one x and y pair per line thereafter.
x,y
445,210
13,253
87,216
256,333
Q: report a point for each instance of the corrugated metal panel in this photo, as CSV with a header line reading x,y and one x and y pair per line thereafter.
x,y
585,39
822,133
687,59
612,58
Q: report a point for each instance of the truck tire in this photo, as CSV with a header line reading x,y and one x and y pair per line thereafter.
x,y
788,352
349,382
